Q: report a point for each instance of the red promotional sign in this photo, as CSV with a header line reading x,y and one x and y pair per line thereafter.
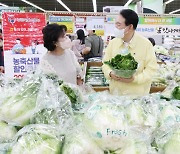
x,y
24,26
23,42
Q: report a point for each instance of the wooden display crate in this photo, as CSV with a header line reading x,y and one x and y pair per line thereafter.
x,y
157,89
152,90
99,89
98,64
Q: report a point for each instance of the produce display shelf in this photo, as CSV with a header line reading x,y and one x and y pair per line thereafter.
x,y
157,89
152,90
104,88
100,89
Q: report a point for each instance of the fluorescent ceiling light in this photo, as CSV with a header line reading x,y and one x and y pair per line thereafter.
x,y
129,2
174,11
169,2
64,5
4,5
94,5
34,5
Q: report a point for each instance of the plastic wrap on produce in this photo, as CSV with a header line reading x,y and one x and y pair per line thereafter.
x,y
78,141
37,139
108,125
169,115
18,107
167,139
56,117
74,94
8,86
37,99
166,74
7,132
52,105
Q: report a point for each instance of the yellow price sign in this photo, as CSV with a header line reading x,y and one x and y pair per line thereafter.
x,y
100,32
67,21
69,25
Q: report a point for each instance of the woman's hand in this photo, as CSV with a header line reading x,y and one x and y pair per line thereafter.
x,y
79,81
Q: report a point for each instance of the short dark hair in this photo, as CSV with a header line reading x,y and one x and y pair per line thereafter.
x,y
81,36
152,41
18,39
94,31
51,34
65,28
131,17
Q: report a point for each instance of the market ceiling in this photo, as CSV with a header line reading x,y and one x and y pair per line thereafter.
x,y
82,5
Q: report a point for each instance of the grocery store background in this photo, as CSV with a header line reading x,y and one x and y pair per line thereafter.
x,y
158,19
126,101
86,5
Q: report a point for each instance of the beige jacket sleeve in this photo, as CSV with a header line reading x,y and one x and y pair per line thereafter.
x,y
150,66
108,56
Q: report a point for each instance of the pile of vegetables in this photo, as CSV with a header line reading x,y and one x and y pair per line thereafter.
x,y
160,50
37,139
123,66
165,74
44,117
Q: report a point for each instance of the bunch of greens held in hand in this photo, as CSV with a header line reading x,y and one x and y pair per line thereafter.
x,y
120,62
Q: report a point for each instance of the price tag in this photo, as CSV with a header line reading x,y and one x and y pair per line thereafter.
x,y
95,23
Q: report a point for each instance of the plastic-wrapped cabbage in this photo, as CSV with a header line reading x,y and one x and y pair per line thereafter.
x,y
78,142
168,139
45,116
107,125
172,146
135,114
18,108
131,148
150,106
7,132
169,115
37,139
73,94
52,106
160,50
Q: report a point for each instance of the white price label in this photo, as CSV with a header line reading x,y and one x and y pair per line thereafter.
x,y
95,23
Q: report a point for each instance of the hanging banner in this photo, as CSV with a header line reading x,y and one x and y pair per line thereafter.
x,y
149,26
63,20
159,20
23,43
